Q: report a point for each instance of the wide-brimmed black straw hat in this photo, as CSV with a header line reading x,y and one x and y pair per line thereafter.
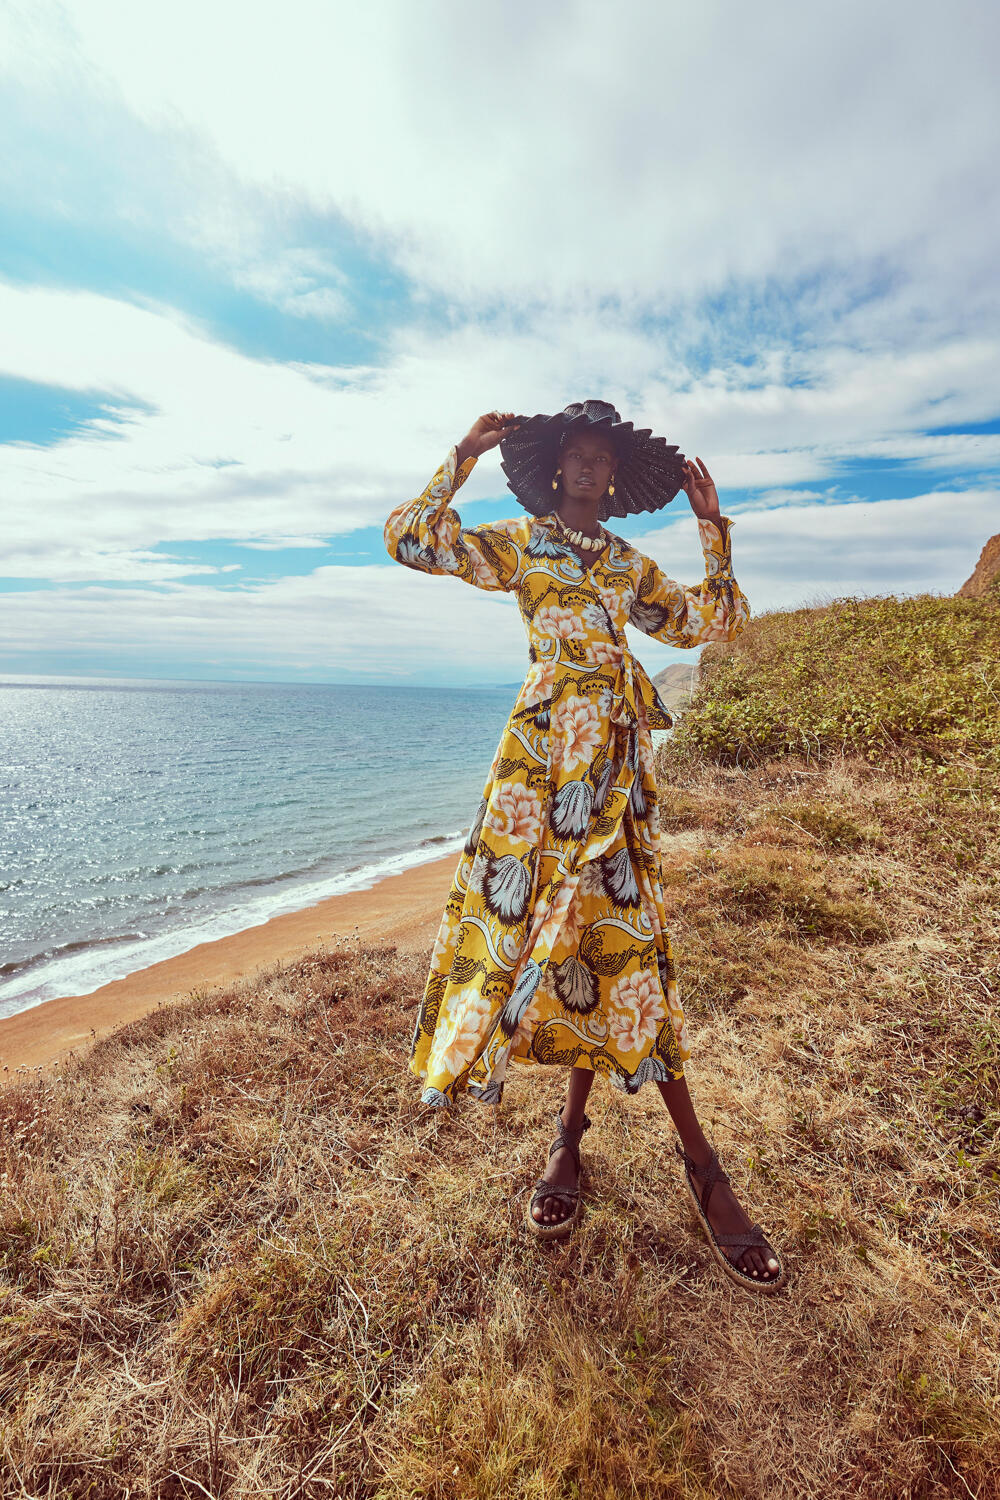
x,y
648,473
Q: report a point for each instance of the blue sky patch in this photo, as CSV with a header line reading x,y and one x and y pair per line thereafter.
x,y
44,414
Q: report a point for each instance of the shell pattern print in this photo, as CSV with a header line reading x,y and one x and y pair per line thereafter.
x,y
553,944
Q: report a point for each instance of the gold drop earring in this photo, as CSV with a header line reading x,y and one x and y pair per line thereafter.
x,y
555,482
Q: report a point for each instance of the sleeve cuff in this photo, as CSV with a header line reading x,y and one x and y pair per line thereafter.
x,y
455,472
714,536
464,470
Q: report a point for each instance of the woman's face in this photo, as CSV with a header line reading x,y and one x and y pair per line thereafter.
x,y
587,460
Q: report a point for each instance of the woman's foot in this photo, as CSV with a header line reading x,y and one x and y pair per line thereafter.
x,y
727,1217
561,1172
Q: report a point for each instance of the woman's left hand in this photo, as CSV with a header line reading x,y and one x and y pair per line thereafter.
x,y
700,490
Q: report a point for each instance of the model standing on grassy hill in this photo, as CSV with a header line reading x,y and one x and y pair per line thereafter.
x,y
553,946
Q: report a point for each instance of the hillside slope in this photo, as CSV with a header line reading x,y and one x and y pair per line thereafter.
x,y
912,680
986,572
676,683
240,1259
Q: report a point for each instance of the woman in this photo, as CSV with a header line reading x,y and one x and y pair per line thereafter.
x,y
553,946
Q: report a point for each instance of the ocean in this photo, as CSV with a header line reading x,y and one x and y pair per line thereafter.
x,y
139,818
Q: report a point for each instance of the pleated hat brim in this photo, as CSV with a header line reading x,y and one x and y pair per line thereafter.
x,y
648,474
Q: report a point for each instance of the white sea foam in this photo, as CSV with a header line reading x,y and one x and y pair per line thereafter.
x,y
82,972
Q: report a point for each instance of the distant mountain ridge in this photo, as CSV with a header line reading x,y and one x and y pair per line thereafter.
x,y
676,683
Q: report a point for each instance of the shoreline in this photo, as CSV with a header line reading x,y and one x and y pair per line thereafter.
x,y
403,909
98,962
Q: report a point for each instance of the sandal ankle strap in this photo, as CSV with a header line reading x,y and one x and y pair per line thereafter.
x,y
711,1173
570,1138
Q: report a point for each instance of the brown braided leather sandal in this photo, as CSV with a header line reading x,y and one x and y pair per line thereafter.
x,y
712,1173
557,1231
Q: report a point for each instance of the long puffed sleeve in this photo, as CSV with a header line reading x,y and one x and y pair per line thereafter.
x,y
713,611
428,535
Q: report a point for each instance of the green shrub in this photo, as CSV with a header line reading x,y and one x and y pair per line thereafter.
x,y
883,677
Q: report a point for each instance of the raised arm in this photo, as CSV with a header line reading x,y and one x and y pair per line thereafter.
x,y
714,610
427,533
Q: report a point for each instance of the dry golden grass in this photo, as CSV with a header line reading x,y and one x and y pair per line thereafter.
x,y
239,1259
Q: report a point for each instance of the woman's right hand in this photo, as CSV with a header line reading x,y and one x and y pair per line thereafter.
x,y
486,433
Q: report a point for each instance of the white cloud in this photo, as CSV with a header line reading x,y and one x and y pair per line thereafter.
x,y
769,499
550,151
216,444
795,554
389,623
283,543
362,624
300,281
832,166
769,234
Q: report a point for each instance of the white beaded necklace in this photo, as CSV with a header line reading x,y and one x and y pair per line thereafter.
x,y
589,543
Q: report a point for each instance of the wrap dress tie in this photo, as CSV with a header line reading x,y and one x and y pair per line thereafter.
x,y
553,944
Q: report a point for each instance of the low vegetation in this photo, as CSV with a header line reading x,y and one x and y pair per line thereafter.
x,y
237,1258
882,678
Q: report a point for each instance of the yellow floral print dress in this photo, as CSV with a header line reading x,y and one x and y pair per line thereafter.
x,y
553,945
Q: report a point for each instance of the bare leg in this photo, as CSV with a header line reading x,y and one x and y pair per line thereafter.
x,y
561,1169
724,1212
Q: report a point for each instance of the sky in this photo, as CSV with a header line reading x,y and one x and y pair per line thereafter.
x,y
260,266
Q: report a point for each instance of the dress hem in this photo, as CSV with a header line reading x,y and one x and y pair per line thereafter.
x,y
493,1093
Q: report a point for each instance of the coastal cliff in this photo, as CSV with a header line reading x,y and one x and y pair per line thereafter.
x,y
986,572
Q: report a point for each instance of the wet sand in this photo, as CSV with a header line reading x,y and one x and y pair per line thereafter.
x,y
403,909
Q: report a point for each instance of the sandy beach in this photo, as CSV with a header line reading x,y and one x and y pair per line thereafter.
x,y
403,909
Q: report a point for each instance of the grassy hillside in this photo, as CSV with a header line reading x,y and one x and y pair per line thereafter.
x,y
882,678
239,1259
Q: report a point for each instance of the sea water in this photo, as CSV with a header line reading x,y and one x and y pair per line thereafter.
x,y
138,818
